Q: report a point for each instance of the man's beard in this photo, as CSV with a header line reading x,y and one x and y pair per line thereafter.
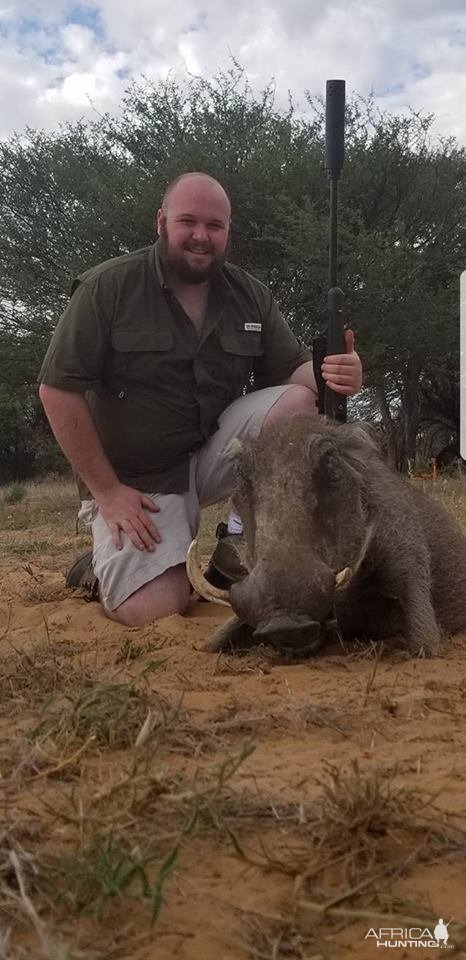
x,y
179,269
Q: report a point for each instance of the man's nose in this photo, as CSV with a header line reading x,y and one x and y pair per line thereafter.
x,y
200,232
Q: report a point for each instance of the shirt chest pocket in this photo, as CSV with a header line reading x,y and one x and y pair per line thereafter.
x,y
242,343
240,349
138,354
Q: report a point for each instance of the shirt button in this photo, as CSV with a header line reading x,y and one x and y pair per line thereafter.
x,y
121,394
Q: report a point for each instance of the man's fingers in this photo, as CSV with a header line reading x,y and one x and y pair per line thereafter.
x,y
130,512
149,528
133,534
149,504
346,388
339,360
338,377
115,535
349,340
142,532
343,357
147,531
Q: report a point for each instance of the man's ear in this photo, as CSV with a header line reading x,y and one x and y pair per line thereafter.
x,y
159,220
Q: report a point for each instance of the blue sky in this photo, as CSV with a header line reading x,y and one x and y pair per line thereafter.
x,y
59,60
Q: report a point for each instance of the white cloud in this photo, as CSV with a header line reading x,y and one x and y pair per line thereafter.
x,y
409,52
77,40
97,85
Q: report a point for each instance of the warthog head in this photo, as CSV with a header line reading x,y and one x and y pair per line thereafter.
x,y
301,495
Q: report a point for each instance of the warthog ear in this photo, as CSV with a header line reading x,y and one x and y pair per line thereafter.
x,y
360,441
243,456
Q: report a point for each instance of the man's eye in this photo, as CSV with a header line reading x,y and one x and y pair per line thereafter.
x,y
210,226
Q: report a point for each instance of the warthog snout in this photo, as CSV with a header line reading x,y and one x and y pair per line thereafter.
x,y
298,638
296,616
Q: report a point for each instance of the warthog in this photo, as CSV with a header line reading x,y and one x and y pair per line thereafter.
x,y
337,543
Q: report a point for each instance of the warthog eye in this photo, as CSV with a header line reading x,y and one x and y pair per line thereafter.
x,y
326,461
329,467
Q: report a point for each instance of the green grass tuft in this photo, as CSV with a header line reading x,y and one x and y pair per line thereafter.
x,y
15,493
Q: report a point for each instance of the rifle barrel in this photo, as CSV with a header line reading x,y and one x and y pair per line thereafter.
x,y
333,232
334,404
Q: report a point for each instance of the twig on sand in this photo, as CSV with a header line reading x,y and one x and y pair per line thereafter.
x,y
29,909
64,763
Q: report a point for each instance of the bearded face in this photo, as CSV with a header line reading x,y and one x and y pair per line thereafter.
x,y
194,229
191,260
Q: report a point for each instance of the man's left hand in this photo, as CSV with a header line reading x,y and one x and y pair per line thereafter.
x,y
342,372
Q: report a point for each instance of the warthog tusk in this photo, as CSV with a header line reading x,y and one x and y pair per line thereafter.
x,y
343,577
199,582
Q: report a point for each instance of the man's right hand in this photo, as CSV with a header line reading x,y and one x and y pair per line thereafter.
x,y
124,509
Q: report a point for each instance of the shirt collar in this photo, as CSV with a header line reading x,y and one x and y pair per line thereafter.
x,y
159,268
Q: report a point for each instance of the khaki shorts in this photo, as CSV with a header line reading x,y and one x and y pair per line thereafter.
x,y
121,572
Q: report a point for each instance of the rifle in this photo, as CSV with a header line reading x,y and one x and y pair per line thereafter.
x,y
330,403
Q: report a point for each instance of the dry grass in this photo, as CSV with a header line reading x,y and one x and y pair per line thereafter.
x,y
42,525
451,492
115,715
91,844
88,831
55,499
369,827
29,678
362,833
123,837
267,938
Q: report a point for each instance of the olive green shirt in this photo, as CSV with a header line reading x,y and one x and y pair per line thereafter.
x,y
155,386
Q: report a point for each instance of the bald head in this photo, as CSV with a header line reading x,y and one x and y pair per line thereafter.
x,y
191,183
193,224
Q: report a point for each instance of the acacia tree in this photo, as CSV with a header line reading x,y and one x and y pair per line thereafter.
x,y
88,192
410,195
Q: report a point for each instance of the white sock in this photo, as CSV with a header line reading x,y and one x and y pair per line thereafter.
x,y
235,524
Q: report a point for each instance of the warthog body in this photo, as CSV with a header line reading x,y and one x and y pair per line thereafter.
x,y
317,498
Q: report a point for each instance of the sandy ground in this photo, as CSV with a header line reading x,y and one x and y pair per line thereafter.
x,y
350,794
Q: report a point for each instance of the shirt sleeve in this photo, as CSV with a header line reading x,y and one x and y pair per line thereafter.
x,y
79,346
282,353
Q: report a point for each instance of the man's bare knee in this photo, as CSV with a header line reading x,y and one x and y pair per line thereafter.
x,y
297,399
165,595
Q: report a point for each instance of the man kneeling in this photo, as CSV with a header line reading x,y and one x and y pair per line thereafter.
x,y
145,385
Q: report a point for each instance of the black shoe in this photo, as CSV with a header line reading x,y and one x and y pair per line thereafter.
x,y
81,574
225,565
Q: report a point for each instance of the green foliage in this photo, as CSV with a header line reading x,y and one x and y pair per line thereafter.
x,y
112,868
88,192
15,493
